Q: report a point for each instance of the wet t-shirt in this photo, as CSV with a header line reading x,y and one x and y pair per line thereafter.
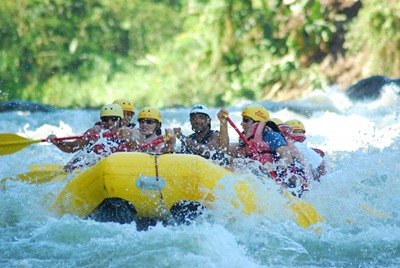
x,y
274,139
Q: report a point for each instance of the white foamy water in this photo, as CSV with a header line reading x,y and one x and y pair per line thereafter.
x,y
358,199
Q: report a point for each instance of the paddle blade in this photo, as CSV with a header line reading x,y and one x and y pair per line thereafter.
x,y
37,177
46,167
306,215
11,143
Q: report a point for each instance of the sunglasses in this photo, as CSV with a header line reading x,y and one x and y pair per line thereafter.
x,y
147,121
246,120
107,118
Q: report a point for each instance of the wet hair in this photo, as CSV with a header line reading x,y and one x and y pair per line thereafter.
x,y
157,130
274,127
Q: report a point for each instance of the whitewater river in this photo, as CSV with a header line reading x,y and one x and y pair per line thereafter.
x,y
358,198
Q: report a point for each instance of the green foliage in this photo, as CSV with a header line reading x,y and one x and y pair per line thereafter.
x,y
167,53
374,36
44,43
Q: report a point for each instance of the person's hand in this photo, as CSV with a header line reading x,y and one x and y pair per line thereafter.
x,y
170,136
137,136
268,166
178,132
51,139
222,115
124,133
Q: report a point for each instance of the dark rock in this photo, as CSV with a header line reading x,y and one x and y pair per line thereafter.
x,y
370,88
114,210
24,106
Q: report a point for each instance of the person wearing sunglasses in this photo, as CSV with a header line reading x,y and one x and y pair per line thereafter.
x,y
150,122
204,141
267,146
251,115
91,151
129,111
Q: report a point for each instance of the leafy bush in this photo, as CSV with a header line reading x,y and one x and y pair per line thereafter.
x,y
167,53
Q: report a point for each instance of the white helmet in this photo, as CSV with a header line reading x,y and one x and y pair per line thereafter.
x,y
200,109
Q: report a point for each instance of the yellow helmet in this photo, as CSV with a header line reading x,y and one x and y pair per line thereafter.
x,y
276,121
296,124
126,105
111,110
256,112
152,113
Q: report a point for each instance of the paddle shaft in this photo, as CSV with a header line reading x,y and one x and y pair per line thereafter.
x,y
11,143
246,141
254,150
87,136
159,140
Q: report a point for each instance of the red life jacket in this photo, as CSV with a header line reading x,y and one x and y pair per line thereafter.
x,y
298,138
286,130
153,148
102,150
109,148
262,151
319,151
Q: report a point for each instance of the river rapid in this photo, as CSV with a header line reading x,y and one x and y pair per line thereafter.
x,y
358,199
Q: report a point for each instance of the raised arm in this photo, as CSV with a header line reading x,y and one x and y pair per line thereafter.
x,y
223,130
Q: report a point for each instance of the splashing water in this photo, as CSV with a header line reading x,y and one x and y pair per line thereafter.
x,y
357,198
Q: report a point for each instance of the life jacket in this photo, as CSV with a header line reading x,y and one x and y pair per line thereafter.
x,y
214,155
286,130
298,138
153,148
319,151
112,145
292,177
263,152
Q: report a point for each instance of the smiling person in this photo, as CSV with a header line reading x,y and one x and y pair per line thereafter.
x,y
204,141
252,115
150,122
266,146
129,111
120,140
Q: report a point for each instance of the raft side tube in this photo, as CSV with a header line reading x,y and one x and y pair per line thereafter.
x,y
83,193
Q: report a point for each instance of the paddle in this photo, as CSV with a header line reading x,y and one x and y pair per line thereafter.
x,y
11,143
246,141
306,215
158,140
42,173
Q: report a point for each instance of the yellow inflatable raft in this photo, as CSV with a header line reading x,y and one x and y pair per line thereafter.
x,y
125,187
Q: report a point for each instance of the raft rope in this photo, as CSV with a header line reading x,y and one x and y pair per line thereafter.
x,y
164,207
